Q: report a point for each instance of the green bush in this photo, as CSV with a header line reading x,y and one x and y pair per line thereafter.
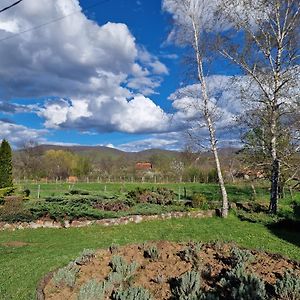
x,y
187,287
66,276
199,201
121,269
160,196
92,290
13,210
4,192
132,293
288,287
237,284
240,257
85,257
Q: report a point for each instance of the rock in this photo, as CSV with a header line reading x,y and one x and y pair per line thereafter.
x,y
138,219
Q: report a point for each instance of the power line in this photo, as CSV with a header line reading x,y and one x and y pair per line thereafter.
x,y
10,6
52,21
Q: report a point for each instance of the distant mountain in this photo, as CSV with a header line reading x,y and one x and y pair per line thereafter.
x,y
98,153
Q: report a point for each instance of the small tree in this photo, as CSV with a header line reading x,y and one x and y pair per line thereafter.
x,y
6,179
191,28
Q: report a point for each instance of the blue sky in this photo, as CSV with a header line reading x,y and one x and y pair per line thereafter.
x,y
101,76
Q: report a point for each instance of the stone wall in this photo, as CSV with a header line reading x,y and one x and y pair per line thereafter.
x,y
104,222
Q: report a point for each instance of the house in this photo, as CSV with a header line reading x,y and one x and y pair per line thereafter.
x,y
72,179
143,166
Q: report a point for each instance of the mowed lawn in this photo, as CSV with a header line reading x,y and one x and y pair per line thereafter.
x,y
47,249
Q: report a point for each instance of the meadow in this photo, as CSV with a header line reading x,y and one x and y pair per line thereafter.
x,y
27,255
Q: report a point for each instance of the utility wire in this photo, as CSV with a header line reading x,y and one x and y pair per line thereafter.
x,y
10,6
52,21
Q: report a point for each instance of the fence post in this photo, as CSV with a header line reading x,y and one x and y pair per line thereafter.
x,y
39,191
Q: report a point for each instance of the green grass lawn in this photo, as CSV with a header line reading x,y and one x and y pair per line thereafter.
x,y
47,249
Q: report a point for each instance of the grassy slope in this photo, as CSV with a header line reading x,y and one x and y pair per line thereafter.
x,y
21,268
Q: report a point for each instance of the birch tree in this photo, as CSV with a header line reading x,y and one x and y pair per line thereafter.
x,y
264,43
192,20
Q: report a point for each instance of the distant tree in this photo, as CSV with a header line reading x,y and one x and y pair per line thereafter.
x,y
6,179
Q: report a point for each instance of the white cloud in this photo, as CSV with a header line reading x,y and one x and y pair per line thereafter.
x,y
140,114
18,134
99,69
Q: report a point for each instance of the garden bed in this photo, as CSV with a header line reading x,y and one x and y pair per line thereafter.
x,y
168,270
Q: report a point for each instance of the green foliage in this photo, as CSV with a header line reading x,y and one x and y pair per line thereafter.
x,y
190,255
199,201
187,287
288,287
92,290
238,284
6,179
4,192
86,256
240,257
13,210
160,196
121,270
132,293
60,246
151,252
78,192
66,276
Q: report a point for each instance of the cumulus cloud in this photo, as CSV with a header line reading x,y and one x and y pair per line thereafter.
x,y
140,114
95,73
18,134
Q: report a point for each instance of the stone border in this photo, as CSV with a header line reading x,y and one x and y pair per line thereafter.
x,y
105,222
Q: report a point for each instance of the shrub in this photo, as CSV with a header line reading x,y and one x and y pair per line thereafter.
x,y
190,255
132,293
237,284
199,201
78,192
160,196
187,287
4,192
121,271
288,287
113,248
66,275
86,256
151,252
13,210
92,290
240,256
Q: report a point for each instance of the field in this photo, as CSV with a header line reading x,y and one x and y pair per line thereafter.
x,y
239,192
27,255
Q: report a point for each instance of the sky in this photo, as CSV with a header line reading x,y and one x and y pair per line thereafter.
x,y
99,72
